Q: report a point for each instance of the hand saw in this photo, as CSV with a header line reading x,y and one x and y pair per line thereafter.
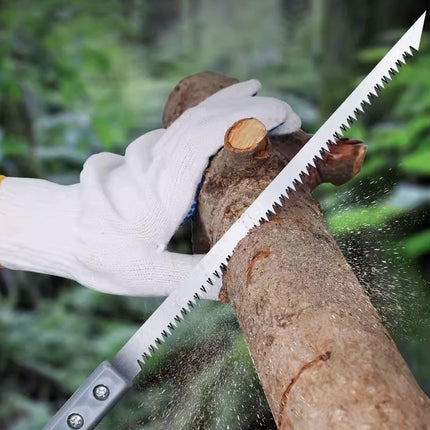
x,y
111,379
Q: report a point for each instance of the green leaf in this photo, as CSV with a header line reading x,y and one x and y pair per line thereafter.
x,y
357,131
372,55
417,163
392,137
372,165
363,217
424,142
419,125
14,146
417,245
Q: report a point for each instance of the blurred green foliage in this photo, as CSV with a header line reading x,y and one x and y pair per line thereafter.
x,y
381,218
81,77
398,152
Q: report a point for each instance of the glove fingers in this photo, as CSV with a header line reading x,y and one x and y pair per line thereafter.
x,y
239,90
292,124
140,153
191,144
136,272
271,112
174,267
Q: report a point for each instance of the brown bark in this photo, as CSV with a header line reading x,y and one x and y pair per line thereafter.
x,y
322,354
192,90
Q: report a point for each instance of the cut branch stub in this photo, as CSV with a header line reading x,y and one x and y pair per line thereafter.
x,y
246,139
343,162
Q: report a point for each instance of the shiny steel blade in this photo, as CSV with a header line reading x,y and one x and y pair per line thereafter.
x,y
205,279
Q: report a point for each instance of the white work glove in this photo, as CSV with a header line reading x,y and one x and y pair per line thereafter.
x,y
110,231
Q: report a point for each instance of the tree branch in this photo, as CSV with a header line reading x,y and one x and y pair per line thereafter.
x,y
322,354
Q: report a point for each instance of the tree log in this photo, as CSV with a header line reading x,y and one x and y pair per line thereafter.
x,y
324,358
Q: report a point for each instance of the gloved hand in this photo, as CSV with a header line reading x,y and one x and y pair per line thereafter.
x,y
110,231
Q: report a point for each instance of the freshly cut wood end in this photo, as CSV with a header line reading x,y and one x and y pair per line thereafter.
x,y
247,135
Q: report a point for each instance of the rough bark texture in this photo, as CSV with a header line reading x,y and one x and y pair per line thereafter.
x,y
322,354
192,90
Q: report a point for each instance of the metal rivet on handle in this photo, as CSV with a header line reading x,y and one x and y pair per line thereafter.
x,y
101,392
75,421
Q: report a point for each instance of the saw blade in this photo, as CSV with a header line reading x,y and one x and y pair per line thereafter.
x,y
204,281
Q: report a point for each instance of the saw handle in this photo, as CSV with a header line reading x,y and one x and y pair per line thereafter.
x,y
92,400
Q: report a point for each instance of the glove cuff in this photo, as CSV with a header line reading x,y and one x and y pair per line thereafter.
x,y
37,220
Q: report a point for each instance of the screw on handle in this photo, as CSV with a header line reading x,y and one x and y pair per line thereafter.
x,y
92,400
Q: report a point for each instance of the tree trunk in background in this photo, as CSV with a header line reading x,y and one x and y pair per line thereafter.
x,y
343,29
322,354
17,123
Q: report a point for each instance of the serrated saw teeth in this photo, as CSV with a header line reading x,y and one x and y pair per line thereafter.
x,y
364,105
406,56
310,165
317,158
201,279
